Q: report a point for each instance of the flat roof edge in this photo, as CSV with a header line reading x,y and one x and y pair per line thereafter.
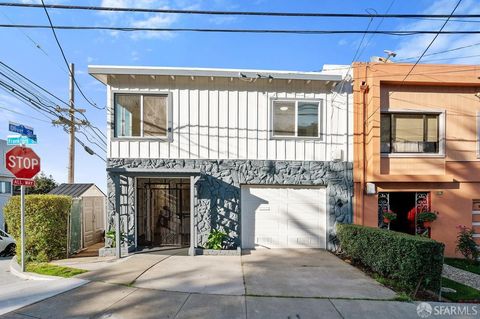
x,y
98,70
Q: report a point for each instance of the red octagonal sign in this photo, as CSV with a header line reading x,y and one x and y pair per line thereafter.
x,y
22,162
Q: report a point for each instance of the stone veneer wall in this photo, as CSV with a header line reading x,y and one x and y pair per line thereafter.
x,y
217,197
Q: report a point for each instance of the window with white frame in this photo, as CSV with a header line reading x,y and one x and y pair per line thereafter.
x,y
296,118
141,115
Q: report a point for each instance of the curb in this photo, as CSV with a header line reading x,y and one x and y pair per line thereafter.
x,y
15,270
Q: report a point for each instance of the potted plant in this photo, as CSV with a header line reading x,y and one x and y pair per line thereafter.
x,y
427,218
389,216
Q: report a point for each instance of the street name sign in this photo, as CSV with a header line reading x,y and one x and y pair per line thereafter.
x,y
22,162
21,140
24,182
20,129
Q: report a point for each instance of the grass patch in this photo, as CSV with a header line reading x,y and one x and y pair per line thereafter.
x,y
463,294
463,264
403,293
53,270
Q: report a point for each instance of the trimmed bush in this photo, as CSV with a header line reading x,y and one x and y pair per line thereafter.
x,y
46,219
408,260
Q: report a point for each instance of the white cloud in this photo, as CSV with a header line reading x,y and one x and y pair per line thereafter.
x,y
413,46
140,20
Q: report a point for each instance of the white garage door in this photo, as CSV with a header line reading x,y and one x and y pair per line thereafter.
x,y
283,217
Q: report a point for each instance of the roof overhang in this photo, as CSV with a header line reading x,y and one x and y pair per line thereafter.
x,y
101,73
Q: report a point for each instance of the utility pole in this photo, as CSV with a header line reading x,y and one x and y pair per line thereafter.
x,y
71,148
70,123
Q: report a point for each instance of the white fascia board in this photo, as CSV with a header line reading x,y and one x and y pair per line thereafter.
x,y
101,72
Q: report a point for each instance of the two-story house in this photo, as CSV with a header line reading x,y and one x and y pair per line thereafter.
x,y
264,156
417,147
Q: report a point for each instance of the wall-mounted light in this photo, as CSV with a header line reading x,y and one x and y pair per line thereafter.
x,y
284,108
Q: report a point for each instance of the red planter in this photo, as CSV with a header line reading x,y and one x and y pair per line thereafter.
x,y
386,220
427,224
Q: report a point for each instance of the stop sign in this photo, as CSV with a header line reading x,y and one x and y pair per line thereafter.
x,y
22,162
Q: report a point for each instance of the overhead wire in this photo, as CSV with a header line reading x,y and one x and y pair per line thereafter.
x,y
255,31
431,42
92,127
241,13
66,61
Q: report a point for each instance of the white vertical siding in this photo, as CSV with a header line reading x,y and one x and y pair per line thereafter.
x,y
213,129
223,118
222,114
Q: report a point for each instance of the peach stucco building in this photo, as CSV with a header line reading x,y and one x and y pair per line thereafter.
x,y
416,143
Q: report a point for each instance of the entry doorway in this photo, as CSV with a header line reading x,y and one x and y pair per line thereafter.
x,y
406,205
163,212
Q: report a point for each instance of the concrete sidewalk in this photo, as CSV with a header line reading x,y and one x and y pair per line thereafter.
x,y
16,292
101,300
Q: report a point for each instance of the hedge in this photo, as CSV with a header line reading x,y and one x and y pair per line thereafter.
x,y
407,259
46,219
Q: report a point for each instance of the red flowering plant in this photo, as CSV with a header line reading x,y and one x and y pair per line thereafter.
x,y
389,216
466,244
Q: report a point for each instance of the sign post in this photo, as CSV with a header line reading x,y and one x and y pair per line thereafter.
x,y
24,164
22,224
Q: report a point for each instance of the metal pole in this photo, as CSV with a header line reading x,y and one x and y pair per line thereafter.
x,y
71,156
22,224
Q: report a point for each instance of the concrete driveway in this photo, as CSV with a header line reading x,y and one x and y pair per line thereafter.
x,y
278,273
307,273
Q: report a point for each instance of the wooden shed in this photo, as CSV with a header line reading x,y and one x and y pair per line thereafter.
x,y
88,214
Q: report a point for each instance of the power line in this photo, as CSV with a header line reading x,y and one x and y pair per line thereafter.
x,y
22,114
242,13
29,98
431,42
376,29
65,58
18,74
440,52
214,30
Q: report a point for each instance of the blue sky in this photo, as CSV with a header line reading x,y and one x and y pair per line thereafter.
x,y
263,51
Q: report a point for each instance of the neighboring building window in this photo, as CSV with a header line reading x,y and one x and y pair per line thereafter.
x,y
5,188
409,133
138,115
296,118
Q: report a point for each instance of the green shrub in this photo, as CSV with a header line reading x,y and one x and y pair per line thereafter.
x,y
46,218
409,260
215,239
466,243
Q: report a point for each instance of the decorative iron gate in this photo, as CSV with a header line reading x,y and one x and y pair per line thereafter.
x,y
422,204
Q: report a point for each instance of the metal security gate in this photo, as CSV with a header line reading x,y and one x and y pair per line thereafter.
x,y
163,212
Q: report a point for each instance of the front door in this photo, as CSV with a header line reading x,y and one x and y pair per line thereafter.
x,y
163,212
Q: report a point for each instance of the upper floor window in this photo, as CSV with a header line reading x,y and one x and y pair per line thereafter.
x,y
141,115
296,118
410,133
5,187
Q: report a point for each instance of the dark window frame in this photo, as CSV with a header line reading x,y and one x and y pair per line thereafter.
x,y
425,131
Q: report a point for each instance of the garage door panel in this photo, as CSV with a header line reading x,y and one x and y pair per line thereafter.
x,y
301,226
283,217
303,241
265,196
268,242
